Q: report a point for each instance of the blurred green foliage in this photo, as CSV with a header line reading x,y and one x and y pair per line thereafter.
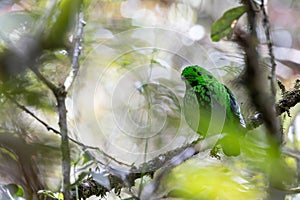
x,y
196,179
51,30
61,21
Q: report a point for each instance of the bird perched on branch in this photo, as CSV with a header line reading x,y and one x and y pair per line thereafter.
x,y
210,108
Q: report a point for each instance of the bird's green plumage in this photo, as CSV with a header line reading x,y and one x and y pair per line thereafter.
x,y
211,108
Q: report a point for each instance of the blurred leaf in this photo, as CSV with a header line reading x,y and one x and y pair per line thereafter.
x,y
32,98
15,190
192,180
85,158
230,145
64,18
81,176
262,153
26,89
60,196
8,153
224,25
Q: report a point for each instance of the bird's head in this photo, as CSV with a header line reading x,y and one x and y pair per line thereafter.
x,y
195,75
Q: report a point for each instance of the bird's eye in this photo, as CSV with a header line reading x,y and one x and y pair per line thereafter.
x,y
199,73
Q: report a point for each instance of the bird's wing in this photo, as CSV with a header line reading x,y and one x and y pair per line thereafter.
x,y
235,107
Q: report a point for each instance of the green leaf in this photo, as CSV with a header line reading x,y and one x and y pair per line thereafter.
x,y
81,176
15,190
224,25
60,196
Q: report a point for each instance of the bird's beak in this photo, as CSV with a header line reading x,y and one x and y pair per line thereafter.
x,y
185,78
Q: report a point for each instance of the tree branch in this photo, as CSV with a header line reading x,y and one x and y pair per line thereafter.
x,y
49,128
254,76
60,93
65,148
22,107
117,180
76,52
289,99
266,25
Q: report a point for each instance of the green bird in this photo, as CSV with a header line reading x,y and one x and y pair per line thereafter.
x,y
210,108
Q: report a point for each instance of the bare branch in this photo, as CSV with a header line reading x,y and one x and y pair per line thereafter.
x,y
266,24
76,52
289,99
22,107
167,161
65,148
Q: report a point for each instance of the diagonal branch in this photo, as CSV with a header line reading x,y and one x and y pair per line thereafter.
x,y
41,77
22,107
49,128
124,178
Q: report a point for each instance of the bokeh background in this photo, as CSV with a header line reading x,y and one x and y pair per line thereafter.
x,y
127,98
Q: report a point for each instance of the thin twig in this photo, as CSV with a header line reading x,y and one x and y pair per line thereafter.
x,y
49,128
22,107
266,24
41,77
84,147
76,52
